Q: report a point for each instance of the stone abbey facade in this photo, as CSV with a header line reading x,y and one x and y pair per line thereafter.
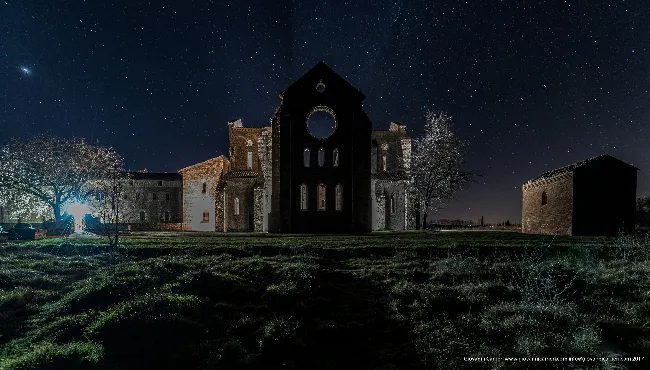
x,y
594,197
291,178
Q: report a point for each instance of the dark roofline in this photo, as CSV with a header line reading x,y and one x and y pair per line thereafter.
x,y
318,65
572,167
169,176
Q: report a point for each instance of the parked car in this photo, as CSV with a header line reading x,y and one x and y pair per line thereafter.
x,y
22,231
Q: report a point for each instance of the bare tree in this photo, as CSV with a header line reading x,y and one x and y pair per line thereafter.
x,y
53,170
109,205
437,157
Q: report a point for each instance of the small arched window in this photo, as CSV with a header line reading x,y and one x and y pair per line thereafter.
x,y
321,157
392,203
205,188
383,162
167,196
303,197
206,216
339,197
167,216
154,196
544,198
143,216
306,158
335,154
236,206
321,197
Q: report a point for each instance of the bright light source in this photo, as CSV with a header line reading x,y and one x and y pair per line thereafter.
x,y
78,211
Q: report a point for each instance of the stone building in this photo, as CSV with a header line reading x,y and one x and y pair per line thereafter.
x,y
390,166
146,199
594,197
318,168
201,195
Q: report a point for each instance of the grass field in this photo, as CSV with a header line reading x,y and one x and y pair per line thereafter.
x,y
382,301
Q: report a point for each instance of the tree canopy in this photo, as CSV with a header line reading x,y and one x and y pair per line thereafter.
x,y
437,157
53,170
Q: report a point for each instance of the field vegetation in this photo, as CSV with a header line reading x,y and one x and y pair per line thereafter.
x,y
381,301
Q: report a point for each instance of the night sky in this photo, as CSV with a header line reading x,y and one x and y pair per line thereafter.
x,y
532,85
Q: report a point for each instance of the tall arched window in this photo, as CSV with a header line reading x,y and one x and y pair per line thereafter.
x,y
392,203
339,197
321,157
205,188
383,162
167,216
321,197
236,206
250,160
335,154
306,157
143,216
303,197
544,198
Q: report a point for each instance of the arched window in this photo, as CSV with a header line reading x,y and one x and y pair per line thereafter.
x,y
236,206
250,160
167,216
306,157
544,198
303,197
383,162
335,154
321,157
205,188
321,197
392,203
206,216
339,197
167,197
143,216
154,196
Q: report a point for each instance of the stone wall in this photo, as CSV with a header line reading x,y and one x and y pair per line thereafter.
x,y
195,202
556,216
383,218
242,189
244,140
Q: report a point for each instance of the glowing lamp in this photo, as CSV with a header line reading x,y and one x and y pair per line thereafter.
x,y
78,211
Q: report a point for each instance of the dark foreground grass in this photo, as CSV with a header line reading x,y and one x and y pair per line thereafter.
x,y
383,301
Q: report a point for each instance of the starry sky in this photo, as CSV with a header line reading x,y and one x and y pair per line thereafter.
x,y
531,85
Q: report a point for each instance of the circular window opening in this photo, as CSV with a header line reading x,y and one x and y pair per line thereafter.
x,y
321,122
320,87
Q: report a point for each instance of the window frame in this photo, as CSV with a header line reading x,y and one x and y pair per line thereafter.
x,y
322,197
304,197
338,195
306,158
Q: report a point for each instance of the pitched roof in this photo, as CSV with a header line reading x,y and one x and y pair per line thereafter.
x,y
574,166
219,158
324,72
